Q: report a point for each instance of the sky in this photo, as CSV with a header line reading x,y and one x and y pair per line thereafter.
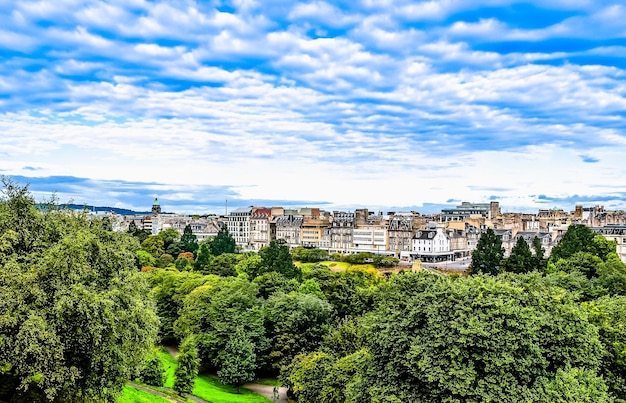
x,y
385,104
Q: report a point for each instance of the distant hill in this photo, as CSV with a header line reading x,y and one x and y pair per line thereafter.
x,y
95,209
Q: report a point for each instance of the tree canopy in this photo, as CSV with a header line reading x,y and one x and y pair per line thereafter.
x,y
488,255
75,318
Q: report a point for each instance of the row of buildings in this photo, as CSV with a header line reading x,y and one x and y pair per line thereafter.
x,y
450,235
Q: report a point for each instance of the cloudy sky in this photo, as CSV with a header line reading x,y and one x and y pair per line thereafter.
x,y
387,104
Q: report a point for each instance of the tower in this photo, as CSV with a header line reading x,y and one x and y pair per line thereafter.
x,y
156,207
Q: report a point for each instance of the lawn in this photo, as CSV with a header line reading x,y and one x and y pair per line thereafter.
x,y
338,266
214,391
169,363
132,395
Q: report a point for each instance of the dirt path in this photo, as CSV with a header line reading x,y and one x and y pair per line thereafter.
x,y
268,391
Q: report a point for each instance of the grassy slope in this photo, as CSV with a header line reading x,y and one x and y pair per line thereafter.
x,y
169,363
339,265
132,395
214,391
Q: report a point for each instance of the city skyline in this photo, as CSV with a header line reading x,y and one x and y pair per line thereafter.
x,y
388,105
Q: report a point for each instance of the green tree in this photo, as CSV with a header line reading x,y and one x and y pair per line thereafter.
x,y
295,323
580,238
170,289
153,245
76,319
609,314
223,243
223,265
145,258
574,385
237,361
203,257
140,234
484,338
189,241
214,311
538,254
153,371
187,369
488,255
169,236
521,258
276,257
272,282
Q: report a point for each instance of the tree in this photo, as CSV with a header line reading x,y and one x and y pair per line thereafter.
x,y
488,255
203,257
140,234
521,258
187,369
145,258
580,238
538,254
609,314
76,319
153,371
237,361
295,323
189,241
444,339
276,257
153,245
223,243
169,236
214,311
575,385
223,265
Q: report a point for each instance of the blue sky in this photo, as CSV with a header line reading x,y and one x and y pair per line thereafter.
x,y
383,104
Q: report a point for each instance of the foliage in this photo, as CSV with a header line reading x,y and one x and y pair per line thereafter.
x,y
170,289
75,318
251,264
609,314
237,361
203,256
521,258
276,257
139,234
187,369
295,323
223,243
153,371
574,385
272,282
145,258
444,339
223,265
436,338
189,242
580,238
309,255
488,255
169,236
350,292
584,262
153,245
214,311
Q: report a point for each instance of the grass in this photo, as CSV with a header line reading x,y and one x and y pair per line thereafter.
x,y
214,391
132,395
169,363
339,266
